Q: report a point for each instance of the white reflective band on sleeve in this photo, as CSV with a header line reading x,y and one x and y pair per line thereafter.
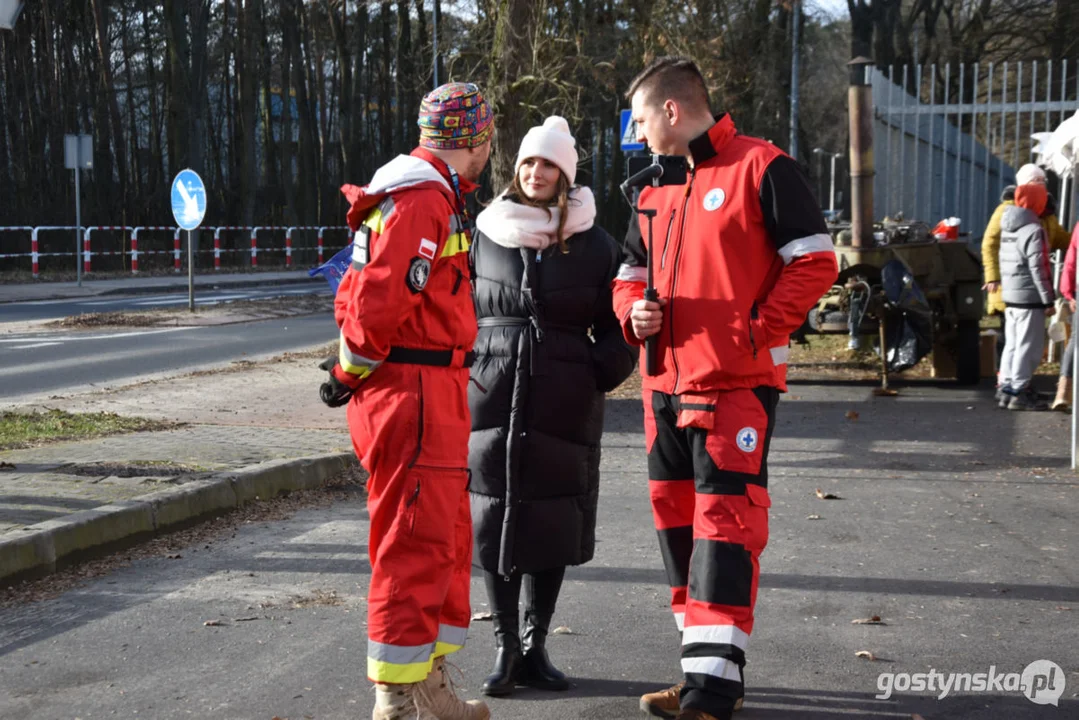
x,y
780,354
632,273
354,363
714,666
452,635
803,246
680,621
715,635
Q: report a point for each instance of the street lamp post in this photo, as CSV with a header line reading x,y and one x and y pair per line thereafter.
x,y
820,153
831,200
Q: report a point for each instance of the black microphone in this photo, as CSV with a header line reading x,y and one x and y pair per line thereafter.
x,y
643,177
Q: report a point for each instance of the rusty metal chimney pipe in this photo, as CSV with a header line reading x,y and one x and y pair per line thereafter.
x,y
860,98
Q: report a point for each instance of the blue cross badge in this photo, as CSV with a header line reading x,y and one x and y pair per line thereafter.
x,y
747,439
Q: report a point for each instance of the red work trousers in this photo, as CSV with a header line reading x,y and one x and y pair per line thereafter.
x,y
409,426
707,468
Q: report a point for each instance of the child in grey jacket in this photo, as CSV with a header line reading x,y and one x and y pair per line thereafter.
x,y
1027,291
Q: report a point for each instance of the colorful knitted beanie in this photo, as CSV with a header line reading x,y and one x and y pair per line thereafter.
x,y
454,116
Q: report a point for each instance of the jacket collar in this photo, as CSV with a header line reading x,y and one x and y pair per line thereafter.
x,y
707,145
443,169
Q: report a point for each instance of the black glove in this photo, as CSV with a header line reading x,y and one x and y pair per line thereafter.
x,y
333,392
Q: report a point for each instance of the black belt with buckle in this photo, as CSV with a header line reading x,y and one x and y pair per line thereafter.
x,y
437,358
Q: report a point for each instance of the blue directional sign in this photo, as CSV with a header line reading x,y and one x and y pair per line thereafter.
x,y
188,199
629,133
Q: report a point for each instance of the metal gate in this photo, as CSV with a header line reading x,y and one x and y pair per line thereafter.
x,y
949,138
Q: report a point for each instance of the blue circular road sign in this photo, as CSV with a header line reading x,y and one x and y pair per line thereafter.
x,y
188,199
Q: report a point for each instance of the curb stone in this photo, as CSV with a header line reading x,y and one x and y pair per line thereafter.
x,y
176,287
47,546
254,282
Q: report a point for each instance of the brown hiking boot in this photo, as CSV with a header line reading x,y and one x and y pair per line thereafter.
x,y
437,697
664,703
398,702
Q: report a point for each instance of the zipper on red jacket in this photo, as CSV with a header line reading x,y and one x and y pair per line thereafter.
x,y
753,314
667,240
674,274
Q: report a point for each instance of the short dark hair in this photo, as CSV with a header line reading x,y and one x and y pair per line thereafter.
x,y
678,78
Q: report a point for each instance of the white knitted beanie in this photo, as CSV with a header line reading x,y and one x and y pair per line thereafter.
x,y
1030,173
551,141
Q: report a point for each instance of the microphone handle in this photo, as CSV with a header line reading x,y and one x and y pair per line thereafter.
x,y
651,346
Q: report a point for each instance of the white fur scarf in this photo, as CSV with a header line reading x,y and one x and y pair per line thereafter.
x,y
516,225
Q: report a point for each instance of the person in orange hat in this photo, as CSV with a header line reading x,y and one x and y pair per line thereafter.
x,y
1027,291
407,322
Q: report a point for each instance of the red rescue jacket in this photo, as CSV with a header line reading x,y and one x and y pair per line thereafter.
x,y
741,253
414,290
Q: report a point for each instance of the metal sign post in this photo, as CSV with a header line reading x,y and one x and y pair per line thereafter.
x,y
189,209
78,155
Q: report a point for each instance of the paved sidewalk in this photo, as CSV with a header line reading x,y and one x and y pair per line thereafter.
x,y
31,291
256,432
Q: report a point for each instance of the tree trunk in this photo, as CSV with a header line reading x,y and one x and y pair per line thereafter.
x,y
108,90
509,57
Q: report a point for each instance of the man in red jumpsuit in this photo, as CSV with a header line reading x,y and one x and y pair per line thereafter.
x,y
740,254
407,326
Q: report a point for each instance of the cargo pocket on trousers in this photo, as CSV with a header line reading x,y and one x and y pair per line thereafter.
x,y
432,500
756,520
697,410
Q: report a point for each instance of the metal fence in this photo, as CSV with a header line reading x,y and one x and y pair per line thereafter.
x,y
949,138
112,248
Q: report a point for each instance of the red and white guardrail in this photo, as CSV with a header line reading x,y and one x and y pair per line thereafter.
x,y
84,247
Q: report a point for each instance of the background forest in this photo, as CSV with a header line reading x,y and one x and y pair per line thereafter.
x,y
278,102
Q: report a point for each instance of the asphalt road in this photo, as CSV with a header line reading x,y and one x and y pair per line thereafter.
x,y
36,363
53,309
956,525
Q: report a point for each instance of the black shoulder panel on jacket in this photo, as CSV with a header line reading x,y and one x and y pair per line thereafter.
x,y
790,210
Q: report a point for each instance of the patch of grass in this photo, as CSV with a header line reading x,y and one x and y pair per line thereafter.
x,y
30,429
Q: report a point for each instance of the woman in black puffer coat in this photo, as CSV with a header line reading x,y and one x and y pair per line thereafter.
x,y
549,347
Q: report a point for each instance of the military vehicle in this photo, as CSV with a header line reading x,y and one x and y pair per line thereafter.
x,y
898,281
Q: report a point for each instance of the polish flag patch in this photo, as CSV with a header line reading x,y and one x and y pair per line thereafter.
x,y
428,249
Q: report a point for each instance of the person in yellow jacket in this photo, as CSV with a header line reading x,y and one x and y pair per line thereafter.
x,y
1059,238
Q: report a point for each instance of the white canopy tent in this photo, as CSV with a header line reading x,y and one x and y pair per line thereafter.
x,y
1058,151
9,12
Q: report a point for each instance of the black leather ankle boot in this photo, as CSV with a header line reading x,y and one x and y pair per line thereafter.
x,y
536,669
508,658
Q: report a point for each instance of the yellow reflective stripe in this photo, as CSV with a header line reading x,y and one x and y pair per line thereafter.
x,y
352,363
375,220
444,648
381,671
455,244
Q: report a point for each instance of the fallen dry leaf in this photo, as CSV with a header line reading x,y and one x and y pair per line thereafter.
x,y
214,623
851,415
865,654
875,620
562,630
482,616
812,517
827,495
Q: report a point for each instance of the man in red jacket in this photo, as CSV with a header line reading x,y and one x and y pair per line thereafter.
x,y
407,327
741,253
